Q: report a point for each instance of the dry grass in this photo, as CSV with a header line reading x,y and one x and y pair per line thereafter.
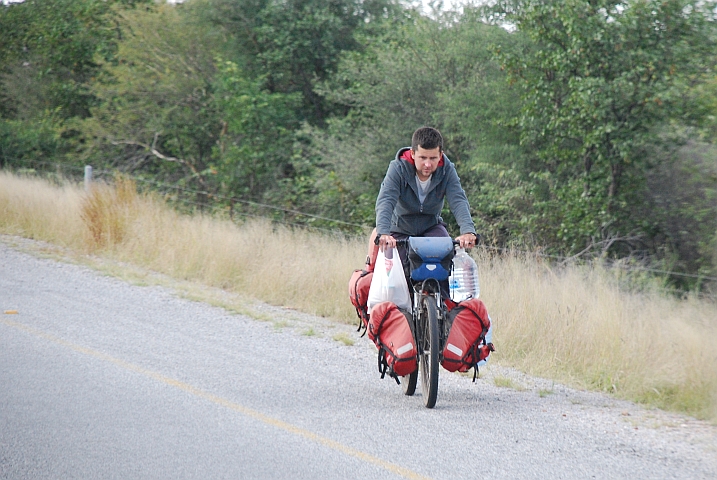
x,y
108,211
575,324
32,208
578,326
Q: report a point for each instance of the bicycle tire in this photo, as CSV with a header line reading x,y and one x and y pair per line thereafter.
x,y
409,382
429,353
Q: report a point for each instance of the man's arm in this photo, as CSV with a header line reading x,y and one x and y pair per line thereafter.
x,y
458,202
387,199
386,203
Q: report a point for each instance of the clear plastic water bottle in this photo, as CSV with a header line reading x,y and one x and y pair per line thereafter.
x,y
463,281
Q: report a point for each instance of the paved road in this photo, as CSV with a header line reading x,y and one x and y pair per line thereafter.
x,y
102,379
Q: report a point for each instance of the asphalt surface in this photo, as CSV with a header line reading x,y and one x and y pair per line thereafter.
x,y
103,379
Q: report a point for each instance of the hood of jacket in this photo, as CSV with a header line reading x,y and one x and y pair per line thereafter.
x,y
406,154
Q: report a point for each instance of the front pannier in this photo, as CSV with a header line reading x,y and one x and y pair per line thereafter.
x,y
359,285
430,257
390,330
465,345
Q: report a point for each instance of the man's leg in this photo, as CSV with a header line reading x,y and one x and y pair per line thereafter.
x,y
438,230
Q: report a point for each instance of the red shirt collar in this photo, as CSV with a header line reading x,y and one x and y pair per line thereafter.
x,y
407,155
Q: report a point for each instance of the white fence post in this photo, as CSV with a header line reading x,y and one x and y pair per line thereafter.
x,y
88,178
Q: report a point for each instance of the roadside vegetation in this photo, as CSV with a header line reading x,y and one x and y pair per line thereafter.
x,y
584,133
582,127
585,325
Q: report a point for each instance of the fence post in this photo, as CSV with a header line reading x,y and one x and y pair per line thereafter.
x,y
88,178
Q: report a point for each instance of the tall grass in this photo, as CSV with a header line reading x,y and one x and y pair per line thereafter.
x,y
573,324
275,264
34,209
108,212
577,325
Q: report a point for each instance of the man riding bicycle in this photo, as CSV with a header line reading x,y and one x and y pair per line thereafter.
x,y
416,185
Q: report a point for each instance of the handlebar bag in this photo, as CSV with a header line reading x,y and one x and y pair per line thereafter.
x,y
430,257
465,345
389,329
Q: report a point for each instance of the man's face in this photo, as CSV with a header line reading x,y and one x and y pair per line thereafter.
x,y
426,161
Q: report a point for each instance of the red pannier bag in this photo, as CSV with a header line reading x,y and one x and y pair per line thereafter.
x,y
390,330
465,345
359,285
360,282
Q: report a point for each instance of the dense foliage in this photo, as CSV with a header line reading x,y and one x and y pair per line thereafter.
x,y
578,127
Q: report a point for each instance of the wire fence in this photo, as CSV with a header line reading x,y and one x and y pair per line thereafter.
x,y
233,207
229,206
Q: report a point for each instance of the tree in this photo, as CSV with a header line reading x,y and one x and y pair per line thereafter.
x,y
156,112
600,79
174,110
294,44
51,48
254,150
49,54
437,72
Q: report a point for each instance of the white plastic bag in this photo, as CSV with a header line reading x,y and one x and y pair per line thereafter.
x,y
389,283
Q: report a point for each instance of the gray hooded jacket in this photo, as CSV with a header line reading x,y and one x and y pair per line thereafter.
x,y
399,210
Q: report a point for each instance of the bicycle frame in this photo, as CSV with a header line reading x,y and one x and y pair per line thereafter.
x,y
430,329
429,287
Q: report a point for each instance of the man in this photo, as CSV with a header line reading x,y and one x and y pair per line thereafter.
x,y
412,194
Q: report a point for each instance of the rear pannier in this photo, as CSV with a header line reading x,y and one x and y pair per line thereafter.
x,y
390,330
466,345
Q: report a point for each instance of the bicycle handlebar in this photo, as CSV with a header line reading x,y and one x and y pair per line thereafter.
x,y
403,243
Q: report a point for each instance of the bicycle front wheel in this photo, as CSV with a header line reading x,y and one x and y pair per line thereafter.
x,y
429,351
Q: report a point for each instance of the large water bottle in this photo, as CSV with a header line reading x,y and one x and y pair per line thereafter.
x,y
463,281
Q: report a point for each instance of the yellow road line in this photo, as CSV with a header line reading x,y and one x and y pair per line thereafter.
x,y
398,470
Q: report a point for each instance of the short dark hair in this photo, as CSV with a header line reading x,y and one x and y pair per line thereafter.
x,y
428,138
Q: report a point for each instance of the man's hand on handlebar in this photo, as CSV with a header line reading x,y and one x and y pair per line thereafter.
x,y
386,241
467,240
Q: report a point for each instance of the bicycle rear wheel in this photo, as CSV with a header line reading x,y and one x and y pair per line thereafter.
x,y
429,352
